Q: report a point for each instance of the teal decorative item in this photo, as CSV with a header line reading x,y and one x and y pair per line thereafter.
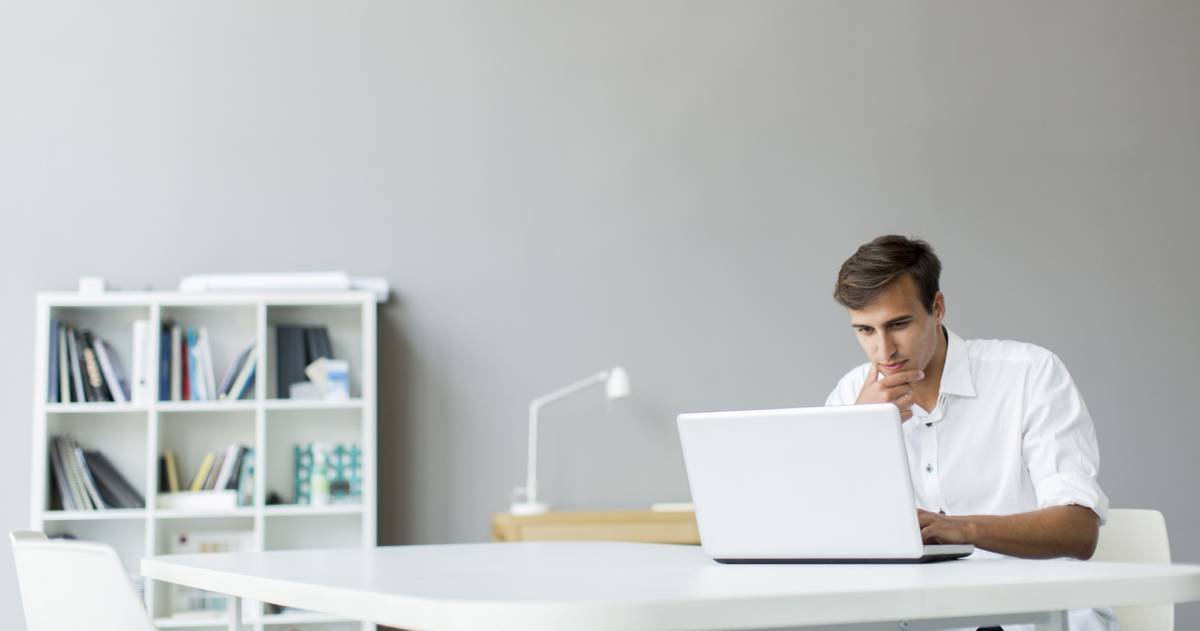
x,y
342,473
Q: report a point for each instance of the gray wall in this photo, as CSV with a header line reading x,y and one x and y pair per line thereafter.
x,y
556,187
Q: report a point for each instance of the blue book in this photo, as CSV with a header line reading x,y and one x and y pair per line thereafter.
x,y
193,375
52,394
164,365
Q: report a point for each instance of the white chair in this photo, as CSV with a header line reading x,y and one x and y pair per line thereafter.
x,y
73,585
1137,536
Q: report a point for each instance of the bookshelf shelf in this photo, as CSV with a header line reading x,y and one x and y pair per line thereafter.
x,y
94,515
204,406
300,510
93,408
178,513
290,404
134,435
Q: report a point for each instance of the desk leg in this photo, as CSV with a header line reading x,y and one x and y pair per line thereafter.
x,y
235,613
1055,621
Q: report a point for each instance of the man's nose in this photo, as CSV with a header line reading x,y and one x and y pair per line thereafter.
x,y
886,347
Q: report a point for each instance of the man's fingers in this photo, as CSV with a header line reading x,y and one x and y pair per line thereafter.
x,y
874,376
899,378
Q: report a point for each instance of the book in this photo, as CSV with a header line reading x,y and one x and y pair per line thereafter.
x,y
228,461
110,368
232,372
74,475
205,363
210,480
202,473
246,378
185,363
164,363
64,368
176,375
290,354
143,359
107,477
89,483
52,383
238,466
61,481
172,471
76,374
91,361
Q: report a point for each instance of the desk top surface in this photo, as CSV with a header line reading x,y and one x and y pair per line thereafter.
x,y
605,585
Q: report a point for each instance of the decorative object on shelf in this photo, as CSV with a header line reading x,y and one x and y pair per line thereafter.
x,y
616,386
327,473
329,379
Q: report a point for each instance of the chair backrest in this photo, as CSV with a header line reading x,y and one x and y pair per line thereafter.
x,y
1137,536
73,585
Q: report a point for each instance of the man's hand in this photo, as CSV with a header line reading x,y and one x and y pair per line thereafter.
x,y
893,389
939,528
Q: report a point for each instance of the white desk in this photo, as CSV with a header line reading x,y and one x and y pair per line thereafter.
x,y
570,585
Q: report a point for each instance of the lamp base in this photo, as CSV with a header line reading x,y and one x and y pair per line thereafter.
x,y
528,508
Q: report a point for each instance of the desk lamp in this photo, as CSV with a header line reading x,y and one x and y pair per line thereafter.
x,y
616,386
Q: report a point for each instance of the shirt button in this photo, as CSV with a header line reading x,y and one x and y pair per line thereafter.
x,y
929,468
929,425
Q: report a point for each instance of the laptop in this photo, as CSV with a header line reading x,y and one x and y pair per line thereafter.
x,y
805,485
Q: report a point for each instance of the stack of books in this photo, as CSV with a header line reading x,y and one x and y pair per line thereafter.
x,y
223,480
185,369
87,480
83,367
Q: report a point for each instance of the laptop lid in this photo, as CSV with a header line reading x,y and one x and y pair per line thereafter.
x,y
801,483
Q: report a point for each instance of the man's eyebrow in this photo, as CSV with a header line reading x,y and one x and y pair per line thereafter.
x,y
896,320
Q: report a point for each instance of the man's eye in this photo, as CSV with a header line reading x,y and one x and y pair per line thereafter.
x,y
899,325
865,331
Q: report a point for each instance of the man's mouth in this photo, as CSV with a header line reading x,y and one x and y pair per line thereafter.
x,y
893,367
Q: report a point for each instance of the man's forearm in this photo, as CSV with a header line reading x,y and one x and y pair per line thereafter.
x,y
1051,532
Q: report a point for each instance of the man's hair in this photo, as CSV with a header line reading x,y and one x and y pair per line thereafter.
x,y
879,263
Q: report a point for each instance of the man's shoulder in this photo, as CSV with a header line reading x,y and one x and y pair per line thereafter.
x,y
1007,352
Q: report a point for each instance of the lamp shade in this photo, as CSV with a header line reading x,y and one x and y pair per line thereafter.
x,y
617,384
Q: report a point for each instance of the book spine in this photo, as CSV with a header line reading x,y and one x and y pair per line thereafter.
x,y
176,375
52,381
82,501
76,376
172,472
202,473
164,364
64,368
109,371
244,378
62,482
191,391
89,484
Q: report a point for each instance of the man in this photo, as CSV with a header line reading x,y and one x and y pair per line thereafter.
x,y
1001,448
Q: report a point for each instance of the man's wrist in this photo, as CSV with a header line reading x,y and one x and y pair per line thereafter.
x,y
971,528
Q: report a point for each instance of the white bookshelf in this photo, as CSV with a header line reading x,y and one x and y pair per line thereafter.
x,y
132,435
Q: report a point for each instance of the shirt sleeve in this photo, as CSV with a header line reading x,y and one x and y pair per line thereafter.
x,y
846,391
1059,442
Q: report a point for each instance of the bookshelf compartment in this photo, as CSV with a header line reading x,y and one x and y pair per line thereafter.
x,y
230,330
120,436
193,434
112,324
287,429
191,536
343,324
313,531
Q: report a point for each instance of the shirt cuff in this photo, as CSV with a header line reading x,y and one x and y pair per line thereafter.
x,y
1062,489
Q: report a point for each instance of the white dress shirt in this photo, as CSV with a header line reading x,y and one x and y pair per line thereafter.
x,y
1009,434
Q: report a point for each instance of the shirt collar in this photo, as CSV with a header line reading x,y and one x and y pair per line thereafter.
x,y
956,374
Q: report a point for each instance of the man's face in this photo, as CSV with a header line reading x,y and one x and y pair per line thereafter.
x,y
896,331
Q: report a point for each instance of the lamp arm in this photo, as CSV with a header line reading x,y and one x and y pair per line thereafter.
x,y
534,407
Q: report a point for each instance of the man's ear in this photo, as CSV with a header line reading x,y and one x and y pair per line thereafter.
x,y
939,307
